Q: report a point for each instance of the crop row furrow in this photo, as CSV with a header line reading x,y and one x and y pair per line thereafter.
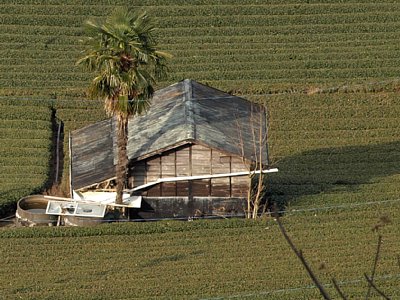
x,y
216,20
269,50
25,124
240,40
6,133
216,47
262,37
26,145
201,3
15,153
174,10
11,162
258,83
287,64
233,61
230,65
220,56
363,27
22,169
228,30
284,75
40,114
332,127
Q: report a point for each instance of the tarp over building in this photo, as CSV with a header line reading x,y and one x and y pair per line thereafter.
x,y
185,112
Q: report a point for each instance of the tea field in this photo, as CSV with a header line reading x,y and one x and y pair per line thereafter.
x,y
335,148
205,259
25,151
243,46
328,72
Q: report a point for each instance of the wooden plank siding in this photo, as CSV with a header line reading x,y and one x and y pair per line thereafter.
x,y
138,174
201,158
168,169
190,160
153,169
220,163
182,169
239,184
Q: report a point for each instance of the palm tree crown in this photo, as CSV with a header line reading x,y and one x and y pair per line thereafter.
x,y
122,52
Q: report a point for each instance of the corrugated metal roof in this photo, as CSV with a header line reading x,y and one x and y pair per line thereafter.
x,y
185,112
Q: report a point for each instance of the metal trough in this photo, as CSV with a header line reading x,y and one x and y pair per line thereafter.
x,y
31,211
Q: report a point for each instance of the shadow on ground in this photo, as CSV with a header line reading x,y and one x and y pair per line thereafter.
x,y
332,170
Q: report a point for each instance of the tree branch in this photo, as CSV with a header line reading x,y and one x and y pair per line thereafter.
x,y
378,250
335,284
299,254
372,284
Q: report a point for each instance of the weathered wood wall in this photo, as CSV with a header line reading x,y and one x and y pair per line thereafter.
x,y
92,154
190,160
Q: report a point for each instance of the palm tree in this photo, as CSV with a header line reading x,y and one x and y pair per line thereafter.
x,y
122,52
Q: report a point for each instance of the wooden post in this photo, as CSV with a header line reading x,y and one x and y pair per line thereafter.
x,y
190,188
70,164
211,172
230,178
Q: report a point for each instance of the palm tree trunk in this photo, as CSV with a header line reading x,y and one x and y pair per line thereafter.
x,y
122,142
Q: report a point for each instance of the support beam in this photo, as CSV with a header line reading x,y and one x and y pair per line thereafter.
x,y
198,177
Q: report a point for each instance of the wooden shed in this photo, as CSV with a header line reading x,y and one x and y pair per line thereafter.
x,y
190,154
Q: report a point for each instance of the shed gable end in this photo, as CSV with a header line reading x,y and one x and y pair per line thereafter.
x,y
191,160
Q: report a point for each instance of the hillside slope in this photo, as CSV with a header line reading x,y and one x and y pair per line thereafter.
x,y
328,71
207,259
26,132
248,46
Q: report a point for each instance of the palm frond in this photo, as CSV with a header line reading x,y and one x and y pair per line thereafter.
x,y
123,53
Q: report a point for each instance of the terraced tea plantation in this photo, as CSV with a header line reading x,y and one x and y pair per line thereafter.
x,y
328,72
214,259
25,151
249,48
244,46
335,148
